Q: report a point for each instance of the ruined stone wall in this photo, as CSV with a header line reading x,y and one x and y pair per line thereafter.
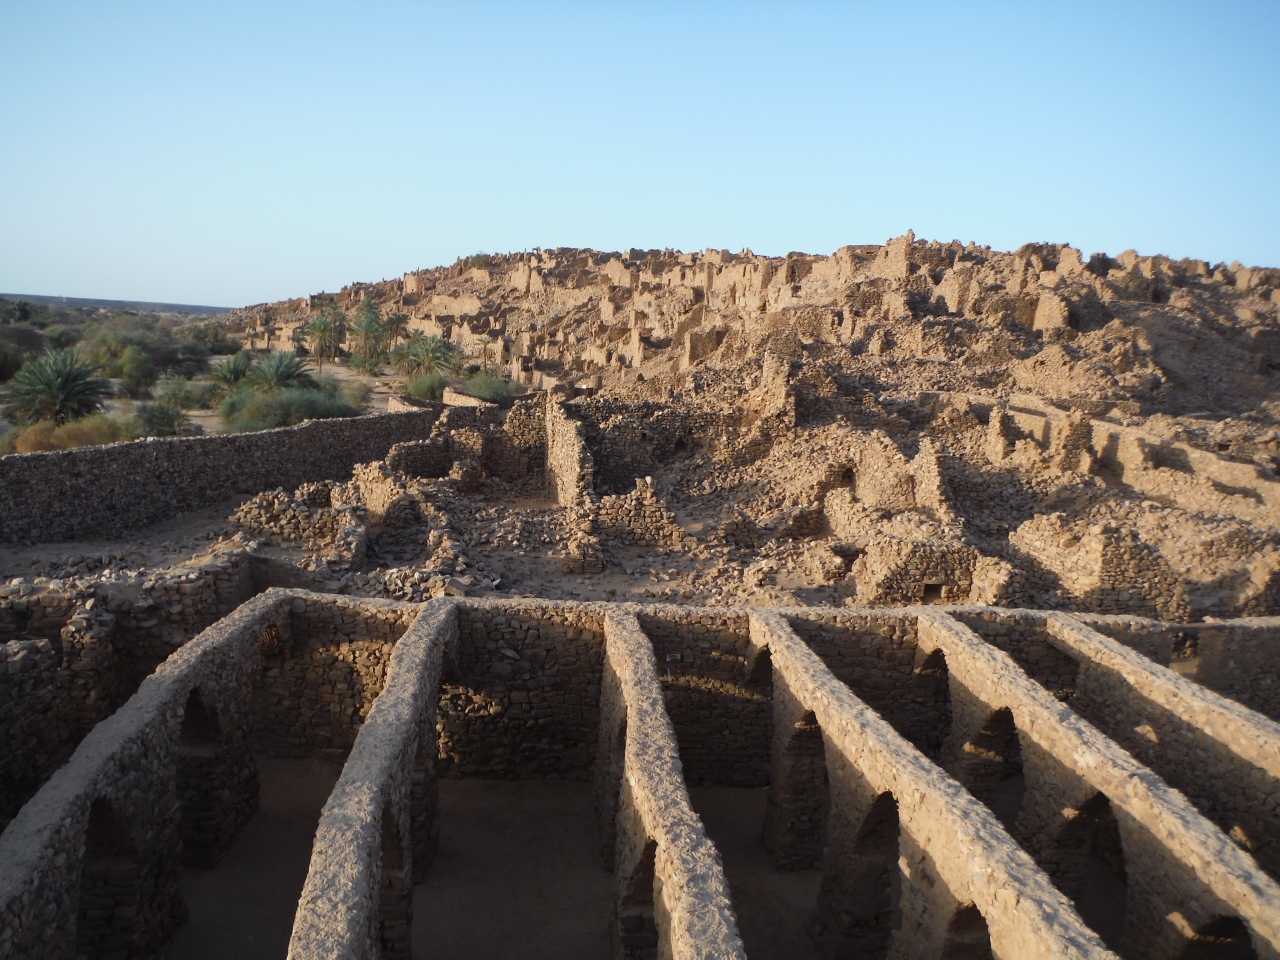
x,y
84,654
1107,569
570,466
527,425
1210,748
91,864
321,677
421,458
378,833
901,836
897,570
639,517
1178,879
522,699
722,716
35,715
340,532
877,657
99,491
629,440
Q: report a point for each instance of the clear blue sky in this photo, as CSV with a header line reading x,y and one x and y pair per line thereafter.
x,y
232,153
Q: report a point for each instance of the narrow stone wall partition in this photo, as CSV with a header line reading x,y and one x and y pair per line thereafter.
x,y
952,852
357,899
90,865
1180,870
1224,757
691,907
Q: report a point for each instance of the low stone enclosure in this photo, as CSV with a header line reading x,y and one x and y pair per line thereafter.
x,y
970,781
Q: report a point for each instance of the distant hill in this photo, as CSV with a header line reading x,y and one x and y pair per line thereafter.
x,y
81,303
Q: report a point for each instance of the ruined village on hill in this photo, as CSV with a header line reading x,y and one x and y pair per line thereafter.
x,y
946,577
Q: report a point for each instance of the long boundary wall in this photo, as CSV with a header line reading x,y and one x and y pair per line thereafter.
x,y
98,491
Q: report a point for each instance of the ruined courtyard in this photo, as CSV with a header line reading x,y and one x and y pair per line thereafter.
x,y
914,601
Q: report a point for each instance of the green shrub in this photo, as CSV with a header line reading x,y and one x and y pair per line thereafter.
x,y
138,373
279,371
189,394
62,337
485,386
161,420
481,260
244,410
228,374
370,366
356,393
429,387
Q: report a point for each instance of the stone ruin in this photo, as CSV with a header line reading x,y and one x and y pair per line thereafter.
x,y
957,570
959,774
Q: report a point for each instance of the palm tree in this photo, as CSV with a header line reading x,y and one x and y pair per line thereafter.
x,y
281,370
419,355
269,330
397,327
59,386
485,343
368,334
229,373
324,336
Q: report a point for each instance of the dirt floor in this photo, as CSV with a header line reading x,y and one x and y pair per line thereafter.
x,y
518,875
774,908
244,907
159,546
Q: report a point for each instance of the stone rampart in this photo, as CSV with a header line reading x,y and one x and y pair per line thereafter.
x,y
100,491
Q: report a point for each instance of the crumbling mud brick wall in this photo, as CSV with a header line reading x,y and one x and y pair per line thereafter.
x,y
96,491
522,698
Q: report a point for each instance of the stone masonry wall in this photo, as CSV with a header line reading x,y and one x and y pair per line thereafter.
x,y
98,491
522,699
877,656
723,716
321,676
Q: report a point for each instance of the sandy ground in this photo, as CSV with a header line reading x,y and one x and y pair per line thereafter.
x,y
774,908
517,875
161,545
244,906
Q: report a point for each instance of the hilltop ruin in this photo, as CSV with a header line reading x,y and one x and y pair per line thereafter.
x,y
957,569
